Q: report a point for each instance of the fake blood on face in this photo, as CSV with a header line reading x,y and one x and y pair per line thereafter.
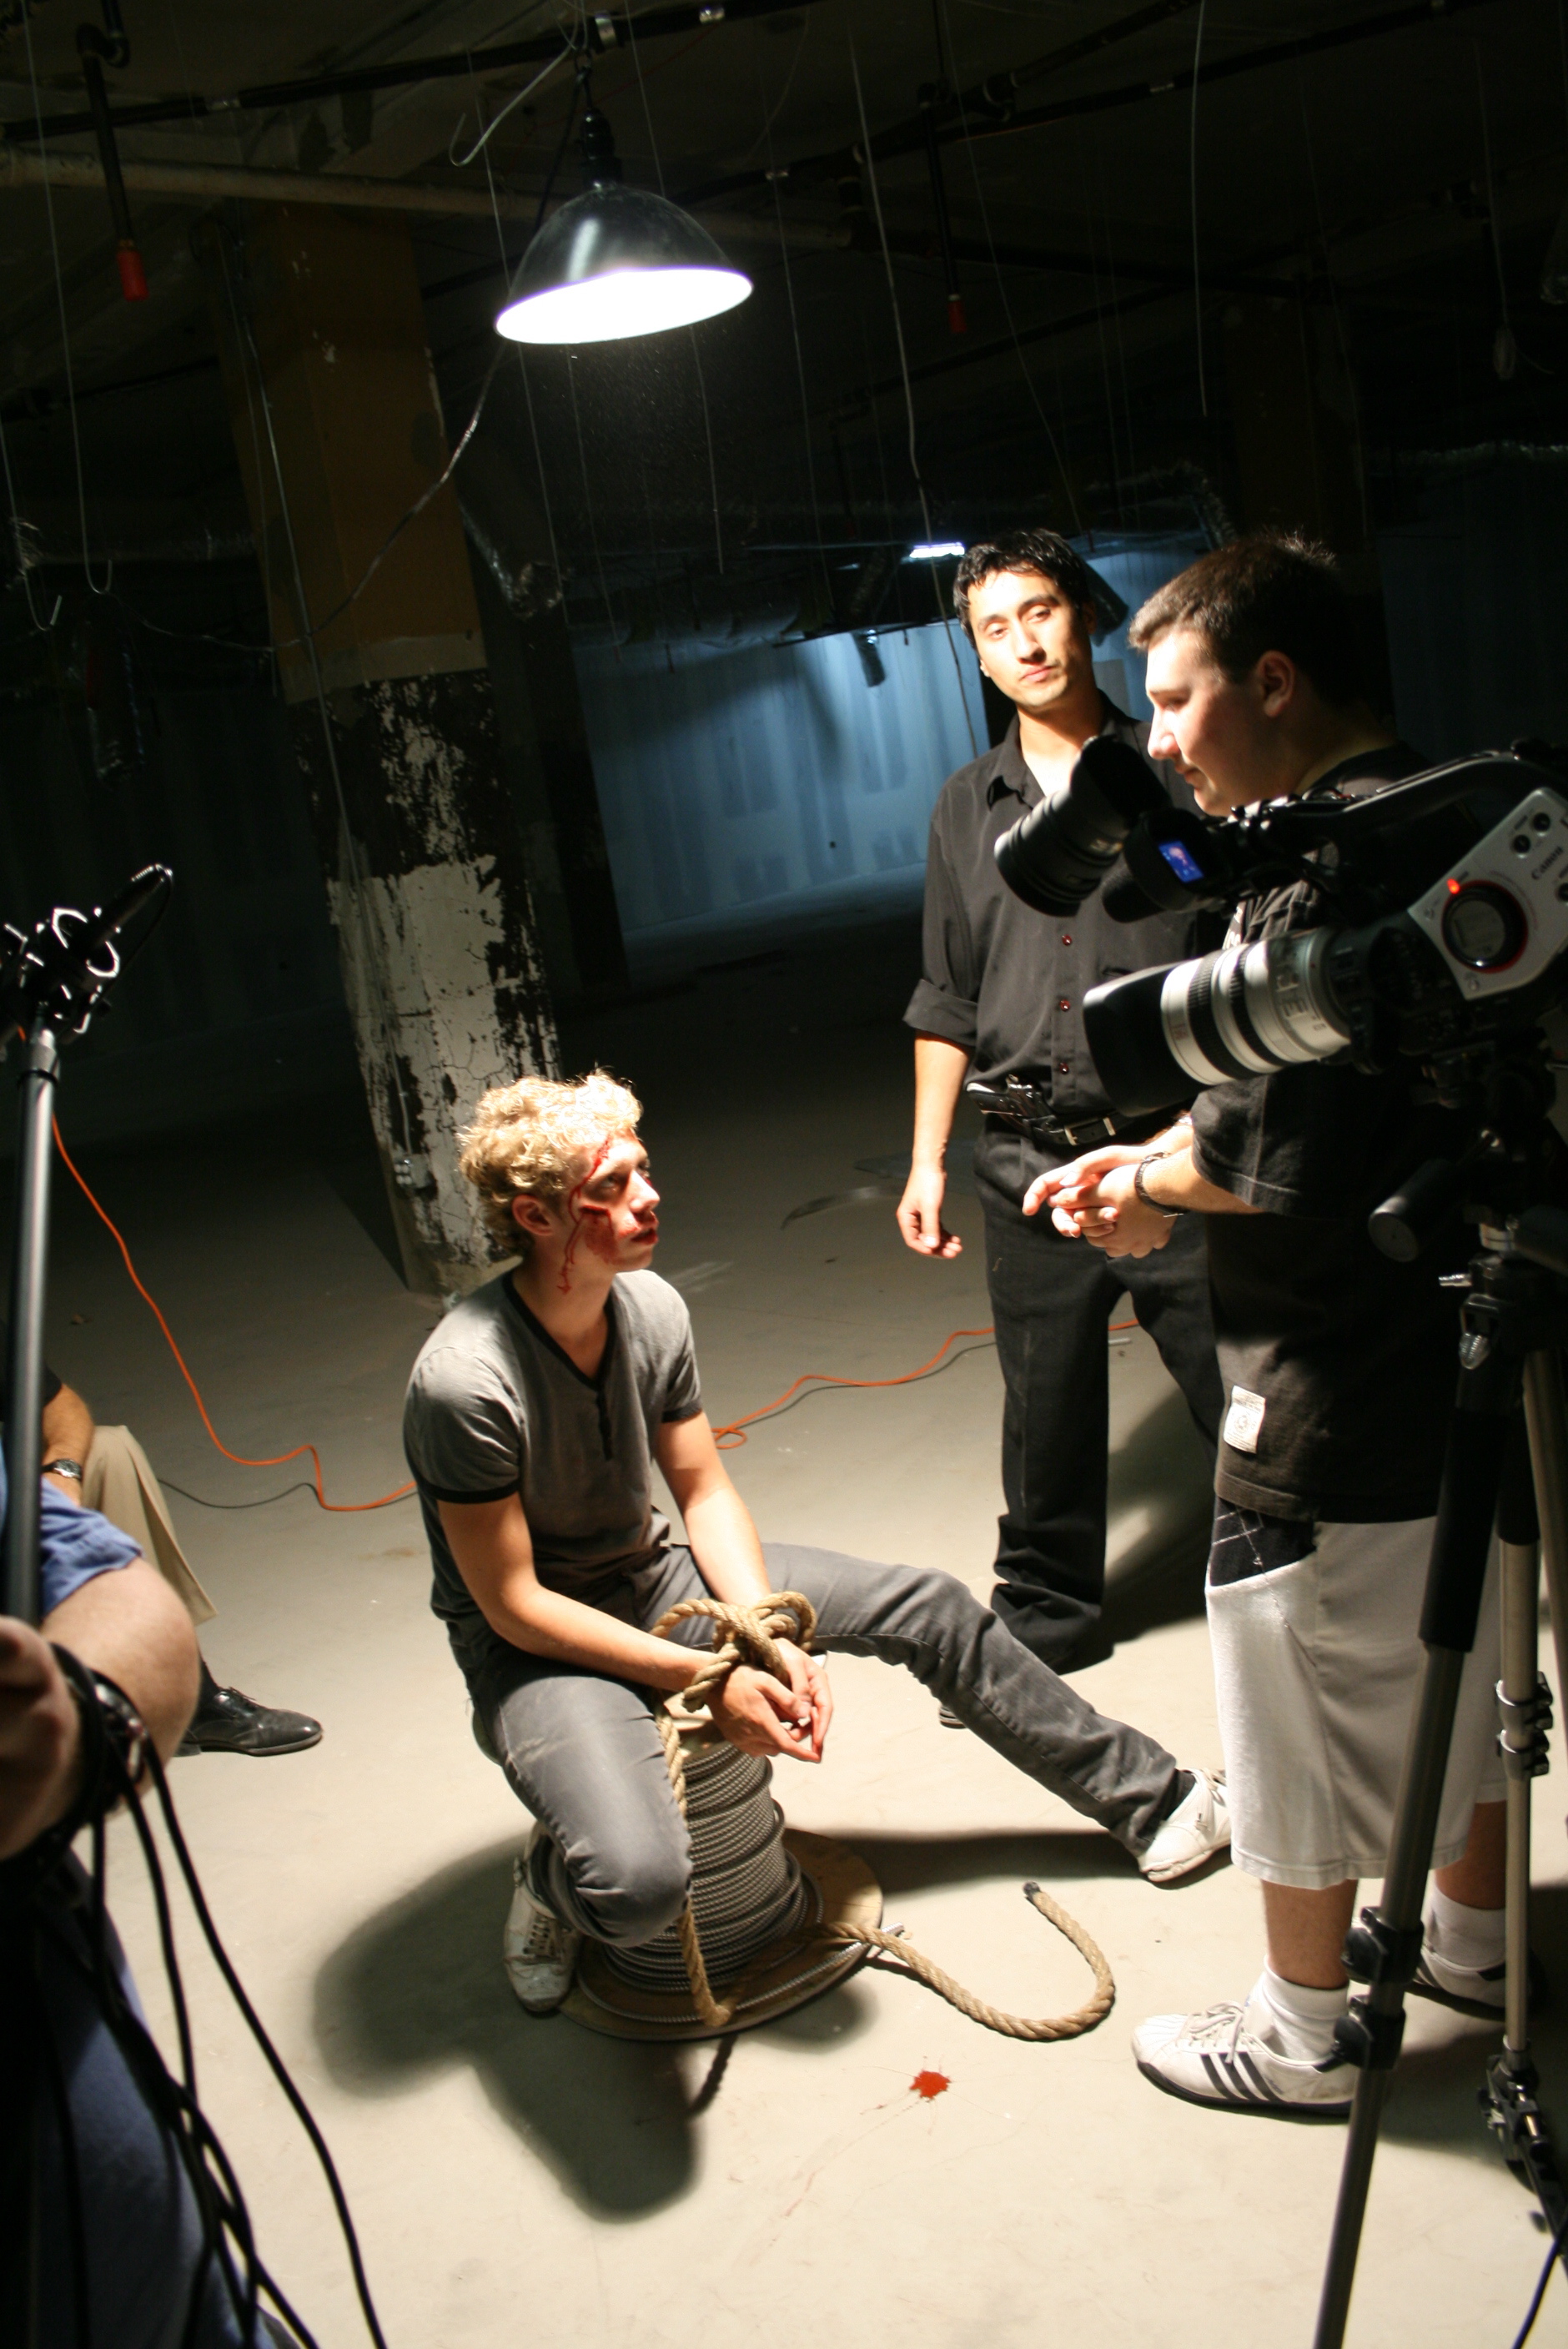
x,y
580,1214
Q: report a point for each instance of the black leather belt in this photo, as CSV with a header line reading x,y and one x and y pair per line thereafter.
x,y
1027,1109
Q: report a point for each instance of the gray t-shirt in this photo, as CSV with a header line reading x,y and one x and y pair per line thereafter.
x,y
495,1406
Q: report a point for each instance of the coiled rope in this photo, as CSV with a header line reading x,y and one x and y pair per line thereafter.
x,y
750,1635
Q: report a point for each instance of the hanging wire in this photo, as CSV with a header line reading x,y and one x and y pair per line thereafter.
x,y
19,531
691,331
765,135
1099,309
460,163
1121,337
795,324
1193,180
1057,450
521,355
1505,349
869,160
64,326
371,960
1340,333
712,459
643,94
588,499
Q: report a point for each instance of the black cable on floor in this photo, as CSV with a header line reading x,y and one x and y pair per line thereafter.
x,y
304,1485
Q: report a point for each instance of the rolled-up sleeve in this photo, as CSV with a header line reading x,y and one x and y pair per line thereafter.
x,y
946,1001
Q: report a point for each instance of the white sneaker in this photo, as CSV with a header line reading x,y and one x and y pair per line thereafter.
x,y
1218,2058
539,1951
1480,1991
1196,1829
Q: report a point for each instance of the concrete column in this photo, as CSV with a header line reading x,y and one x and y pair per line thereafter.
x,y
338,430
1299,460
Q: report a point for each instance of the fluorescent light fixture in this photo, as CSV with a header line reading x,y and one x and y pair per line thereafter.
x,y
616,262
935,551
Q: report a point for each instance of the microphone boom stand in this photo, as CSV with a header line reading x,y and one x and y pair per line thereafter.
x,y
51,983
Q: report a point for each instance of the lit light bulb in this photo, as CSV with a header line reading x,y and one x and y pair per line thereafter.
x,y
619,303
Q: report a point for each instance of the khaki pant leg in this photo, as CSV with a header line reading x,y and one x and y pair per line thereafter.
x,y
118,1480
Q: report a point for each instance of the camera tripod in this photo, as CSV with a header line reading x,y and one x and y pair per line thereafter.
x,y
1506,1463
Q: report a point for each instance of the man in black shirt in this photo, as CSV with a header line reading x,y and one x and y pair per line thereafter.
x,y
1002,995
1339,1367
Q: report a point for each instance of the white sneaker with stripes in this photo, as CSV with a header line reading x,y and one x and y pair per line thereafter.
x,y
1220,2057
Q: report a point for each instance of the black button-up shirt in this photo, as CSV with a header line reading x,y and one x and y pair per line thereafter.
x,y
1001,981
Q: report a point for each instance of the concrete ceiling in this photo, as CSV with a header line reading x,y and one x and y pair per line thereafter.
x,y
1360,167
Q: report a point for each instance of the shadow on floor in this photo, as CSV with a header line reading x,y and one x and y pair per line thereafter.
x,y
419,1987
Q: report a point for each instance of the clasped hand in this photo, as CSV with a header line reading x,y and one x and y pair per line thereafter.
x,y
1093,1199
761,1715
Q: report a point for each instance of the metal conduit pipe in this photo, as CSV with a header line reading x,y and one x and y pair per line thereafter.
x,y
206,182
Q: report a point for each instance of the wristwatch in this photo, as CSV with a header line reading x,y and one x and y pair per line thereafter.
x,y
71,1468
1140,1189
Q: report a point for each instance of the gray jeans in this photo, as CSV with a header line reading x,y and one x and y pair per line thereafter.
x,y
582,1751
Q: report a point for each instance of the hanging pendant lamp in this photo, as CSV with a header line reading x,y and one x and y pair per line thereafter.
x,y
616,262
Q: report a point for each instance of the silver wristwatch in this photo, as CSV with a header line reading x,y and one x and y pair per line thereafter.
x,y
71,1468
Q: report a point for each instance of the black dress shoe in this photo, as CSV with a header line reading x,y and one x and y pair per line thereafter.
x,y
225,1721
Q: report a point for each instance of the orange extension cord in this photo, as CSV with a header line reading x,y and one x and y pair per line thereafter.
x,y
729,1438
344,1508
826,1379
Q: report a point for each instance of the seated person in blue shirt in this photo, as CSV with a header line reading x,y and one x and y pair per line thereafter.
x,y
537,1412
117,1616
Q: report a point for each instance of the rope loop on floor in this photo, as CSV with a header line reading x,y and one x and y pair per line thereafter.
x,y
748,1635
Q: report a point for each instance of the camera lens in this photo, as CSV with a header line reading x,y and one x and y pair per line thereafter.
x,y
1057,854
1484,927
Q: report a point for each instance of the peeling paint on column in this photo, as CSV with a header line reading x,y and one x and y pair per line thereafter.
x,y
429,896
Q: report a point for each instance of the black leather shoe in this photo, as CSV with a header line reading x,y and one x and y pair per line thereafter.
x,y
225,1721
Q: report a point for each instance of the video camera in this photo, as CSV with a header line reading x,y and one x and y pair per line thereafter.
x,y
1446,980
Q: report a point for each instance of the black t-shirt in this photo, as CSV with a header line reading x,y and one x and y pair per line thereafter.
x,y
52,1384
1339,1366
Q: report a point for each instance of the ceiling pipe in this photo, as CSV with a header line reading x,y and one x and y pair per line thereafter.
x,y
207,182
976,120
605,30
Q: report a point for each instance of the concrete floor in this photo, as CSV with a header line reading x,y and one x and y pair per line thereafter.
x,y
522,2180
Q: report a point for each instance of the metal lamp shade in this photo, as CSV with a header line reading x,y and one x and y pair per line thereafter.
x,y
616,262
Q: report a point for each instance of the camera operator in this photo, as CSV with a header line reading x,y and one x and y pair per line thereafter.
x,y
1003,993
1339,1366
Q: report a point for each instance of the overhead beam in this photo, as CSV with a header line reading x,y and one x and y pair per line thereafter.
x,y
606,31
203,183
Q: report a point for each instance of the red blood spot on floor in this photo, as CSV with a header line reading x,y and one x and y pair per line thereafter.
x,y
930,2084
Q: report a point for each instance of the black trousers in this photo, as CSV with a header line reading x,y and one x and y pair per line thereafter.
x,y
1052,1299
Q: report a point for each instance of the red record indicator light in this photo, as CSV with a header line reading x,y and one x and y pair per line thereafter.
x,y
1484,925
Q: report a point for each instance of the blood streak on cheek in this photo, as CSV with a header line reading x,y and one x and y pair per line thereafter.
x,y
579,1213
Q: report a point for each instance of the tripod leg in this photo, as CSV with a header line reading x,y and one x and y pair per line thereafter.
x,y
1546,1417
1521,1589
1384,1948
1530,1501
